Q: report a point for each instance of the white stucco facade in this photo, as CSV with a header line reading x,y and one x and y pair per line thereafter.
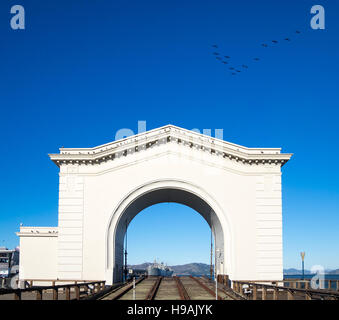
x,y
236,189
38,259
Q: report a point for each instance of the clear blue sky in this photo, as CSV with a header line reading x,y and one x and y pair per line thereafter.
x,y
81,70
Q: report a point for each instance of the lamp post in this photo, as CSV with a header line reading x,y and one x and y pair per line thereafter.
x,y
302,264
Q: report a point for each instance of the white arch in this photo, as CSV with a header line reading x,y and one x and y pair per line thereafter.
x,y
167,184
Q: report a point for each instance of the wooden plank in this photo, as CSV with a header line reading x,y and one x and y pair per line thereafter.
x,y
264,293
77,292
55,294
290,295
86,289
68,293
39,294
255,292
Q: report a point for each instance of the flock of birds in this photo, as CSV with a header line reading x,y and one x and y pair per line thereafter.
x,y
226,60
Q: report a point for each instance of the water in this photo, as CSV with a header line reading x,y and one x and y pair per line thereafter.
x,y
310,276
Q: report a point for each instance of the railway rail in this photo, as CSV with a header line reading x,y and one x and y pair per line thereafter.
x,y
171,288
181,289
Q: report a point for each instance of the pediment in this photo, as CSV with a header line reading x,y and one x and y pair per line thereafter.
x,y
166,135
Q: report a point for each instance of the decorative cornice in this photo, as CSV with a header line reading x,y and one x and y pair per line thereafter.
x,y
38,232
165,135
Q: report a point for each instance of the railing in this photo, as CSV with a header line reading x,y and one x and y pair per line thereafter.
x,y
326,284
87,287
223,279
224,286
276,292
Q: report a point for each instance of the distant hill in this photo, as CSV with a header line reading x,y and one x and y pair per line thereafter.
x,y
139,266
291,271
204,269
295,271
336,271
193,269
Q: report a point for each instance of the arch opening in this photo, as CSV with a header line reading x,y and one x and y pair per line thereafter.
x,y
171,233
147,196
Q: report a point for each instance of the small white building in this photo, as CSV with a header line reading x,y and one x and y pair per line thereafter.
x,y
101,189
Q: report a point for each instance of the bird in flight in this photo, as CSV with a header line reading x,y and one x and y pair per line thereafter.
x,y
243,67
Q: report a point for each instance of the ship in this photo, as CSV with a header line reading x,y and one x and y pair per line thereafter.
x,y
159,269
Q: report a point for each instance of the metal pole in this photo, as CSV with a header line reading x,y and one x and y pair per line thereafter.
x,y
211,266
125,269
216,272
133,288
302,254
303,269
215,260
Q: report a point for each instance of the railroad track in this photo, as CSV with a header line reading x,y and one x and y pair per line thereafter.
x,y
181,289
229,294
119,291
171,288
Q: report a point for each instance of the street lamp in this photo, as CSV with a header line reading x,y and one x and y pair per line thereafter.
x,y
302,261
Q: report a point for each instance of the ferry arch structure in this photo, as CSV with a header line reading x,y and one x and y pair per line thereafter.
x,y
237,190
